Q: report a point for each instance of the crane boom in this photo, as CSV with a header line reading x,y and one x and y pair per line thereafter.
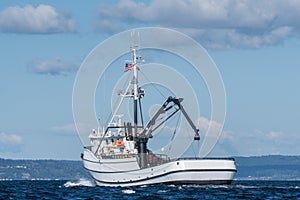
x,y
146,132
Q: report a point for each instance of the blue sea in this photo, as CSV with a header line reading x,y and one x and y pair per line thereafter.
x,y
85,189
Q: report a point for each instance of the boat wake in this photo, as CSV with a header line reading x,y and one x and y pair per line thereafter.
x,y
80,182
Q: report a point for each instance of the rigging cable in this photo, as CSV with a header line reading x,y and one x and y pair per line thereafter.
x,y
193,146
174,133
111,115
153,85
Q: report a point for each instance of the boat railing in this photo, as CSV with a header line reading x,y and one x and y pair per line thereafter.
x,y
115,152
204,158
157,159
112,149
118,156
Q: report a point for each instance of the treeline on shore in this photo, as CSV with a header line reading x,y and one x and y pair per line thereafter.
x,y
272,167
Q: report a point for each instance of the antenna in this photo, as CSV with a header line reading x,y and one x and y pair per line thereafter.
x,y
132,38
135,40
139,40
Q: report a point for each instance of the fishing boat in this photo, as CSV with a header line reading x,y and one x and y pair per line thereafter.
x,y
119,153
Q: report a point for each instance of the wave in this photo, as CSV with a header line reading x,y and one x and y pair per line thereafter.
x,y
80,182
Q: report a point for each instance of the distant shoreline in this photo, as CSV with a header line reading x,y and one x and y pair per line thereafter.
x,y
264,168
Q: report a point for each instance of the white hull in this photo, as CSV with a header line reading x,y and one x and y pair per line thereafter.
x,y
119,156
126,172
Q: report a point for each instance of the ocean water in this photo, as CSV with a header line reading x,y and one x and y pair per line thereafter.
x,y
85,189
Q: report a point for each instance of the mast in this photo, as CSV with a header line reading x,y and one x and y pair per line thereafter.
x,y
135,90
140,139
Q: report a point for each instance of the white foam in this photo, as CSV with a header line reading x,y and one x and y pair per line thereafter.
x,y
162,191
128,191
80,182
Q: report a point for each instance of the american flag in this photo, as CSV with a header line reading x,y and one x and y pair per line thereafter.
x,y
128,67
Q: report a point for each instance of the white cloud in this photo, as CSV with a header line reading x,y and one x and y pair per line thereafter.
x,y
71,128
43,19
258,142
53,67
274,134
207,126
231,38
10,139
216,24
210,132
108,26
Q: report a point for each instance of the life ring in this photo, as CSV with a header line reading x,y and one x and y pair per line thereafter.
x,y
119,143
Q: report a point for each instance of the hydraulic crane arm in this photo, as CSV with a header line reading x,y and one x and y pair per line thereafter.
x,y
176,102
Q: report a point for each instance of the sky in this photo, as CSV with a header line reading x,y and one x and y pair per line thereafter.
x,y
255,45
